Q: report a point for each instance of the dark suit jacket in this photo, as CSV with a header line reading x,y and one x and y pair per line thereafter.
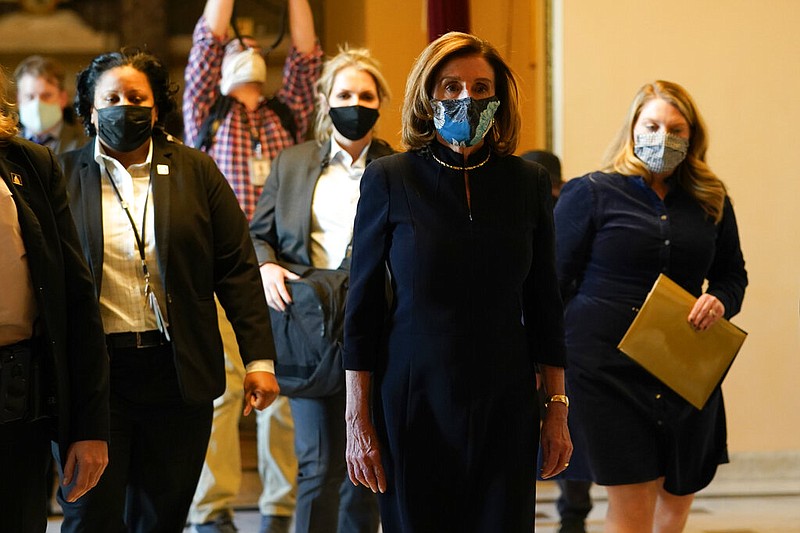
x,y
203,248
69,320
281,224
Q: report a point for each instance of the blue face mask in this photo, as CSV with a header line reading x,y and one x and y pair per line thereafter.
x,y
464,122
660,152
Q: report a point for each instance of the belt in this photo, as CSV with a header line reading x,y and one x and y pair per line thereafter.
x,y
136,339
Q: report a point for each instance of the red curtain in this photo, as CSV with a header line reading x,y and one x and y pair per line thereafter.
x,y
447,15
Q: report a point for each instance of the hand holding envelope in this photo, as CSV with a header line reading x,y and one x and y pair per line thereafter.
x,y
691,362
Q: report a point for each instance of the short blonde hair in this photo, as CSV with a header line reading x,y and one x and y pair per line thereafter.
x,y
8,120
418,129
358,58
693,174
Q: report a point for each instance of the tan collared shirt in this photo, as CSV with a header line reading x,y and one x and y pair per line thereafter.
x,y
18,308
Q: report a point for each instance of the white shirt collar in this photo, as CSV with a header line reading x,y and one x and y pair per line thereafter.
x,y
339,154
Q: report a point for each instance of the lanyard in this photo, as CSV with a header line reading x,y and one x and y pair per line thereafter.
x,y
148,290
139,237
255,141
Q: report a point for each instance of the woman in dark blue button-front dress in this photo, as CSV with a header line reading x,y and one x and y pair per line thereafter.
x,y
441,410
657,208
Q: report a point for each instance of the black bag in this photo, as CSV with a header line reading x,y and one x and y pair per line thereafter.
x,y
308,335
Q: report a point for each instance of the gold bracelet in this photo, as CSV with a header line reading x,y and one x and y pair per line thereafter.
x,y
561,398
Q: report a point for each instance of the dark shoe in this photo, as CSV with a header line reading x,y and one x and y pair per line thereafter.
x,y
223,524
572,526
275,524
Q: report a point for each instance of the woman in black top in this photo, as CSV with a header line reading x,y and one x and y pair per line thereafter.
x,y
442,413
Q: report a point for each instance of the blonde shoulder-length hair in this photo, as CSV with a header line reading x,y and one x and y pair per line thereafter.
x,y
8,120
693,174
418,129
357,58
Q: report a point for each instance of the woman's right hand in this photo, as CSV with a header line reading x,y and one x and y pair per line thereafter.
x,y
364,456
363,453
273,277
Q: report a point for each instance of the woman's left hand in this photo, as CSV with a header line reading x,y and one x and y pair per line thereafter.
x,y
260,390
706,311
555,441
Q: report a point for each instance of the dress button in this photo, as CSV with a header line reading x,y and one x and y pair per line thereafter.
x,y
666,242
660,423
663,217
658,396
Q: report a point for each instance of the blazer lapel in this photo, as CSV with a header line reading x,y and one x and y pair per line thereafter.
x,y
160,178
316,166
18,182
91,212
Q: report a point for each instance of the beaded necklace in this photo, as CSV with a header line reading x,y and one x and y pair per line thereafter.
x,y
454,167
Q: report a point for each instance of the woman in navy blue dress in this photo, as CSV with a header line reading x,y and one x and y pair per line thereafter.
x,y
656,208
441,413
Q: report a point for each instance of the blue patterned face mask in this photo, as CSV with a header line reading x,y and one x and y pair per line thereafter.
x,y
464,122
661,152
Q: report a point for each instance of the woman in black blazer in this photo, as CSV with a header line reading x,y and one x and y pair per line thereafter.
x,y
162,233
305,216
53,362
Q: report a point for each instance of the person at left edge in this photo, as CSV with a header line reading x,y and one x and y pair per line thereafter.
x,y
162,233
48,314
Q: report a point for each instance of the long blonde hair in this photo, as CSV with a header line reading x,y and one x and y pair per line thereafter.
x,y
418,128
693,174
8,121
358,58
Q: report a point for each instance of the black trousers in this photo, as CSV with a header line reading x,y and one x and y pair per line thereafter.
x,y
157,448
574,503
24,455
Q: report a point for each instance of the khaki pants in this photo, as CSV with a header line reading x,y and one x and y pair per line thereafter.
x,y
221,477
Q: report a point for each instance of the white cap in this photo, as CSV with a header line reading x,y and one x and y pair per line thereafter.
x,y
242,66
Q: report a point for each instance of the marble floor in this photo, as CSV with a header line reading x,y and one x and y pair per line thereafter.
x,y
748,497
714,511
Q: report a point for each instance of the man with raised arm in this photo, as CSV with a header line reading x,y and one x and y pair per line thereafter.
x,y
227,114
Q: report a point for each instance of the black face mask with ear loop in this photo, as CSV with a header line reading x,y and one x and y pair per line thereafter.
x,y
355,121
124,128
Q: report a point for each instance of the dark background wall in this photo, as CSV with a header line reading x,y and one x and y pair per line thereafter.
x,y
75,31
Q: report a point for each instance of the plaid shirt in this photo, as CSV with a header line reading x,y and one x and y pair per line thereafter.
x,y
233,146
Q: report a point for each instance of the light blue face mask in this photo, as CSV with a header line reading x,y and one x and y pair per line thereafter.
x,y
464,122
661,152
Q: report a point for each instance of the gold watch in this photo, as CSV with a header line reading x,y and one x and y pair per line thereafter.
x,y
561,398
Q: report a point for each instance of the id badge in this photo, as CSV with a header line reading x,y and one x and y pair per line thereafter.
x,y
259,170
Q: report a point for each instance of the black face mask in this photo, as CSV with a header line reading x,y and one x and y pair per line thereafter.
x,y
354,121
124,128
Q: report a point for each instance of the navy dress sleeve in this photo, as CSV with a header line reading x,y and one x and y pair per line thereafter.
x,y
727,277
366,302
574,231
544,319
